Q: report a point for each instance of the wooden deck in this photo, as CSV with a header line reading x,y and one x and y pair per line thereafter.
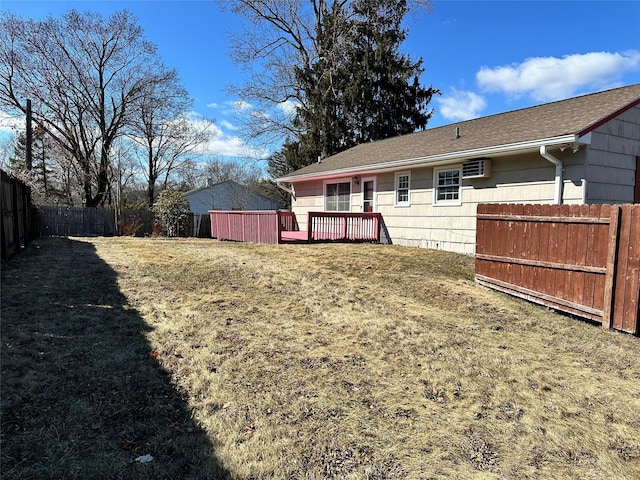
x,y
294,237
277,227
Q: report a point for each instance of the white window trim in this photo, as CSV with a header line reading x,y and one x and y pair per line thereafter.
x,y
337,180
395,190
441,203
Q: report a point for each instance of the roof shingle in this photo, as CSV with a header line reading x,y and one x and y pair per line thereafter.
x,y
576,116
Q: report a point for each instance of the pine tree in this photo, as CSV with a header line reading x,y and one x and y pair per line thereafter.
x,y
361,88
322,119
44,177
384,98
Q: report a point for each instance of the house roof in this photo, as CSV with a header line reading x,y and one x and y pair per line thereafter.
x,y
213,186
556,123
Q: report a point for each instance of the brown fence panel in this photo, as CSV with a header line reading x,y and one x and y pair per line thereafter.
x,y
15,214
139,220
202,226
580,259
64,221
626,299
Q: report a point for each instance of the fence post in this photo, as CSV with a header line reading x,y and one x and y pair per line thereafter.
x,y
16,214
612,261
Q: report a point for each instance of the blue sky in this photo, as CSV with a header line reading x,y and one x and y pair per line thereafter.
x,y
485,56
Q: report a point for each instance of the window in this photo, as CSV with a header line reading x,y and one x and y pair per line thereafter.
x,y
447,186
338,197
403,181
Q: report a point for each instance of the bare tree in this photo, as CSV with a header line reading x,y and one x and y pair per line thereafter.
x,y
217,170
281,38
7,145
278,37
163,132
84,75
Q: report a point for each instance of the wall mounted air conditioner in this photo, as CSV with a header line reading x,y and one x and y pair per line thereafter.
x,y
477,168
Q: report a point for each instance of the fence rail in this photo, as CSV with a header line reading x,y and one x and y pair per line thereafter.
x,y
580,259
15,211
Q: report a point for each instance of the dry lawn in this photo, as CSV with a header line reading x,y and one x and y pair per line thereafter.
x,y
243,361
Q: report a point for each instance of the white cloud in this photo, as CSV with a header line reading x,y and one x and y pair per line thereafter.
x,y
10,124
221,143
241,105
228,125
288,107
552,78
461,105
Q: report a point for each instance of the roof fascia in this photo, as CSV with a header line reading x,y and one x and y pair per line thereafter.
x,y
444,158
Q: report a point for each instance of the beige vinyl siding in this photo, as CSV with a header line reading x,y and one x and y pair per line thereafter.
x,y
309,198
452,227
611,159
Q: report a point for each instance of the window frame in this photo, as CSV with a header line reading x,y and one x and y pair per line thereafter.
x,y
336,182
397,189
436,174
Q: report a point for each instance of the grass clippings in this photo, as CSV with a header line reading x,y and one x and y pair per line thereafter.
x,y
244,361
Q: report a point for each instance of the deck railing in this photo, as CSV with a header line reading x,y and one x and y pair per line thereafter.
x,y
287,222
275,226
361,227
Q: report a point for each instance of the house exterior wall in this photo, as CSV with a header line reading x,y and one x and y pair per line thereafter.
x,y
309,198
228,196
611,159
526,179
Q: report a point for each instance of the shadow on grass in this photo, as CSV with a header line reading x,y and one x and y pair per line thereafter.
x,y
82,395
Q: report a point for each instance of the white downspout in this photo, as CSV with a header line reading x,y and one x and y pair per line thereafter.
x,y
290,191
557,198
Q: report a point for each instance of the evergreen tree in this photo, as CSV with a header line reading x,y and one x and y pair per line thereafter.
x,y
384,97
361,88
323,119
42,178
17,161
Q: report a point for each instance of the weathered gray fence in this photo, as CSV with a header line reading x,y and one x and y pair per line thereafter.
x,y
63,221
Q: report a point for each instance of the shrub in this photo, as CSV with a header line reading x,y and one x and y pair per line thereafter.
x,y
130,228
172,211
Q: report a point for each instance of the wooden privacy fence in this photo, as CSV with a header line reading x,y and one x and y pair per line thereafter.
x,y
580,259
259,226
63,221
15,209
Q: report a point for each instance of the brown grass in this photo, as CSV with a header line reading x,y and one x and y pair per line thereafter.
x,y
228,360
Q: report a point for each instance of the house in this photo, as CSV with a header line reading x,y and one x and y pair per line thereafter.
x,y
227,195
427,185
